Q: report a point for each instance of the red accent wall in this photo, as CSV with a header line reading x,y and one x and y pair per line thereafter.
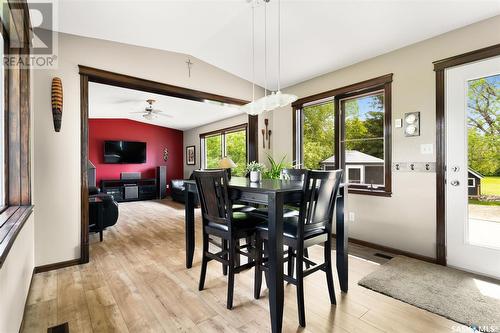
x,y
157,138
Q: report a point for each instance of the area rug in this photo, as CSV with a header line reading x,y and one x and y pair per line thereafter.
x,y
459,296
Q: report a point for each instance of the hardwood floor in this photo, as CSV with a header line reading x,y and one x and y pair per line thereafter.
x,y
136,282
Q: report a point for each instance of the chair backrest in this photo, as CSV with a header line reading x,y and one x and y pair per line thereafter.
x,y
293,174
213,193
318,202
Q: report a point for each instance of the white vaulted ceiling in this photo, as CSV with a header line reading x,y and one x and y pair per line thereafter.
x,y
111,102
317,36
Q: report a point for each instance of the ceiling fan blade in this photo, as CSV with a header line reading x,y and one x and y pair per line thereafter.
x,y
156,110
137,112
164,115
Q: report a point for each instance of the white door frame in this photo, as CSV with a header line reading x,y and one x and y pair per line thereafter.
x,y
461,252
439,68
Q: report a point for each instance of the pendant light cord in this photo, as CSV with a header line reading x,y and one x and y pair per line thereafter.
x,y
253,52
265,48
279,45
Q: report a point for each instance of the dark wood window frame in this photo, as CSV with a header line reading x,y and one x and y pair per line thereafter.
x,y
440,67
223,132
381,83
89,74
17,206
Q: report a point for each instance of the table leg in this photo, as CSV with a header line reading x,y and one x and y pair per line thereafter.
x,y
275,249
189,227
341,242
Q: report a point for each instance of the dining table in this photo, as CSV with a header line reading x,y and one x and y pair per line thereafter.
x,y
275,194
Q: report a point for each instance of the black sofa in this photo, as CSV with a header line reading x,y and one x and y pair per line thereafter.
x,y
177,190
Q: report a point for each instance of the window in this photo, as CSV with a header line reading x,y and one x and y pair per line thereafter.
x,y
471,182
353,123
231,142
362,138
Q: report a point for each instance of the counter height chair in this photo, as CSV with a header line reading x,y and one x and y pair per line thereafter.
x,y
219,220
312,226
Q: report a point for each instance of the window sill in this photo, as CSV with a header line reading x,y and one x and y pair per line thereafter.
x,y
370,192
12,221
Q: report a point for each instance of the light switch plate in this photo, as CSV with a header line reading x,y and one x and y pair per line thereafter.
x,y
399,123
426,149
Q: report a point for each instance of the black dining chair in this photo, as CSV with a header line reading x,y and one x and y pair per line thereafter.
x,y
312,226
219,220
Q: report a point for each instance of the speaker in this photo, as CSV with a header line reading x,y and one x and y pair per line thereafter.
x,y
130,175
161,181
131,192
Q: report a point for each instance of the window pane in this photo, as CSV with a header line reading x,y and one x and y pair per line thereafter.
x,y
354,175
213,151
318,136
364,137
236,149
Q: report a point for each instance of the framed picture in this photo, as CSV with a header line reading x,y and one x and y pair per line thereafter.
x,y
190,155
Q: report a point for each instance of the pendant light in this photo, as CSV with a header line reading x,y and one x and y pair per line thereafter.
x,y
275,99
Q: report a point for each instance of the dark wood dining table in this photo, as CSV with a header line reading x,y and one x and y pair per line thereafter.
x,y
274,194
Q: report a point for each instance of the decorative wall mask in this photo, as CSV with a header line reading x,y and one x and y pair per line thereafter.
x,y
57,103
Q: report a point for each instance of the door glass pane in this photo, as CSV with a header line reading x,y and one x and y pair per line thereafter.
x,y
318,136
213,151
483,132
236,149
364,136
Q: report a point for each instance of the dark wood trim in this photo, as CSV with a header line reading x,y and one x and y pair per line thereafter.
x,y
377,81
57,265
253,138
84,139
476,55
440,170
230,129
294,135
15,218
439,67
381,83
131,82
17,207
390,249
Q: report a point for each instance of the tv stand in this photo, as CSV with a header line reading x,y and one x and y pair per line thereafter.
x,y
130,189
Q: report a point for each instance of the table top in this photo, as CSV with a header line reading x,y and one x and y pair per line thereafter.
x,y
265,185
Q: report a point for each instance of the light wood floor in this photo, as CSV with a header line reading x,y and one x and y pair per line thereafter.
x,y
136,282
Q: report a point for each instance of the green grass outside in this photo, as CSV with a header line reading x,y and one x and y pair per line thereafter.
x,y
490,186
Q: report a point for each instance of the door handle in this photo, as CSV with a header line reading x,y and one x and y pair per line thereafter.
x,y
455,183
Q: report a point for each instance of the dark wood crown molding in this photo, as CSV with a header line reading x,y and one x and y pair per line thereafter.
x,y
131,82
476,55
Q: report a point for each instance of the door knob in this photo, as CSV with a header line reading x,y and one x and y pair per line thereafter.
x,y
455,182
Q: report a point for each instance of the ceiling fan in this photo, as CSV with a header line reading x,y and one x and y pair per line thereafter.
x,y
151,113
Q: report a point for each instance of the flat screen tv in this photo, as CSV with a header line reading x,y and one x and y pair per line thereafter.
x,y
124,152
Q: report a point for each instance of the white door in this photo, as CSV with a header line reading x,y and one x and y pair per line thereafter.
x,y
473,167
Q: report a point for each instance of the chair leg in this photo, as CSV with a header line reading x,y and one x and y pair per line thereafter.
x,y
266,254
306,254
300,287
329,274
230,280
290,261
224,247
258,272
204,262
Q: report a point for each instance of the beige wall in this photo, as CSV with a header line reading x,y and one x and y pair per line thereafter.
x,y
57,155
15,278
406,220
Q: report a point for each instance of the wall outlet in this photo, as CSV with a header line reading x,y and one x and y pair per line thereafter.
x,y
351,216
168,185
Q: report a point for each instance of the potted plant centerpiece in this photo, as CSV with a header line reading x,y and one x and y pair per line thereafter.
x,y
255,170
